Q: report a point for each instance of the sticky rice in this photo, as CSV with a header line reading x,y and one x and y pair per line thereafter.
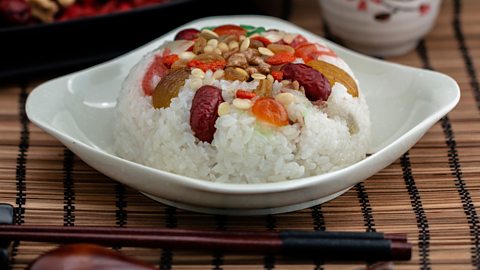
x,y
320,137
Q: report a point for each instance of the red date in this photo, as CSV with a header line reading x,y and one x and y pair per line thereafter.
x,y
203,113
187,34
317,86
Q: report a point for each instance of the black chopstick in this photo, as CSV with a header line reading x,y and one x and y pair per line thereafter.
x,y
333,246
205,232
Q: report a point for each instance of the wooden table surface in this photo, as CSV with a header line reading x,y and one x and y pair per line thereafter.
x,y
431,193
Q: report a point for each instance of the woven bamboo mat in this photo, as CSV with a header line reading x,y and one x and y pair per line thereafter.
x,y
432,192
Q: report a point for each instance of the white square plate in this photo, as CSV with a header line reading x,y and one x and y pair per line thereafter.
x,y
404,103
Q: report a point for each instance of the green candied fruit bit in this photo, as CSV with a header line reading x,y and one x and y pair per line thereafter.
x,y
247,27
256,31
208,27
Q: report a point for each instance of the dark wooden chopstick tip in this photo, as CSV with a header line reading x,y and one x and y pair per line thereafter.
x,y
401,251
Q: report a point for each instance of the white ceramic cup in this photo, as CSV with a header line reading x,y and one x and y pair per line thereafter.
x,y
380,27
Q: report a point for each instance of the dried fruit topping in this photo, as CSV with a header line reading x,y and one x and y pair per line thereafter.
x,y
208,61
230,29
244,94
199,44
310,51
298,40
277,75
335,74
264,88
264,40
317,86
235,74
271,111
153,75
187,34
168,60
168,87
280,58
204,112
278,48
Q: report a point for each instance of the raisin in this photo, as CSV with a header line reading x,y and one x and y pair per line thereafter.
x,y
317,86
203,112
168,87
188,34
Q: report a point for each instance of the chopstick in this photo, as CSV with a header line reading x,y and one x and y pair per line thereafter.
x,y
332,246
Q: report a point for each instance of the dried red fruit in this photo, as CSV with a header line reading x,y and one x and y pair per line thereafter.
x,y
230,29
188,34
168,60
208,61
277,75
203,112
280,58
155,72
317,86
244,94
310,51
264,40
298,40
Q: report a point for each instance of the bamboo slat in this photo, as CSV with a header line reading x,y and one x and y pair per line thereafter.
x,y
432,193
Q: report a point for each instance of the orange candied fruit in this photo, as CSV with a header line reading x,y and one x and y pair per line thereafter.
x,y
230,29
280,58
271,111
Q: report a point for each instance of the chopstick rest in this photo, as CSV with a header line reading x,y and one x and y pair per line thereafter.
x,y
6,218
328,246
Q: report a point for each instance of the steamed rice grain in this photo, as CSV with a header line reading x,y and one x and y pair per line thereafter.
x,y
319,139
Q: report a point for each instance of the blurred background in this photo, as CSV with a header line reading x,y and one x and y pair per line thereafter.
x,y
56,37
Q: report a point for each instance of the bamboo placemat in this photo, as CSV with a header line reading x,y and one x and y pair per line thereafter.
x,y
431,193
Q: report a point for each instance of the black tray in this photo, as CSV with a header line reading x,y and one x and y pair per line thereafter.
x,y
62,47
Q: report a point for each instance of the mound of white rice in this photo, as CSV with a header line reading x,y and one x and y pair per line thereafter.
x,y
244,150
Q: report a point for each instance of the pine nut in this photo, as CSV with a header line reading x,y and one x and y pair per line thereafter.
x,y
198,73
233,45
245,45
196,83
223,108
285,98
296,85
218,74
265,51
270,78
213,42
258,76
223,46
242,71
208,34
187,56
217,51
208,49
242,104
